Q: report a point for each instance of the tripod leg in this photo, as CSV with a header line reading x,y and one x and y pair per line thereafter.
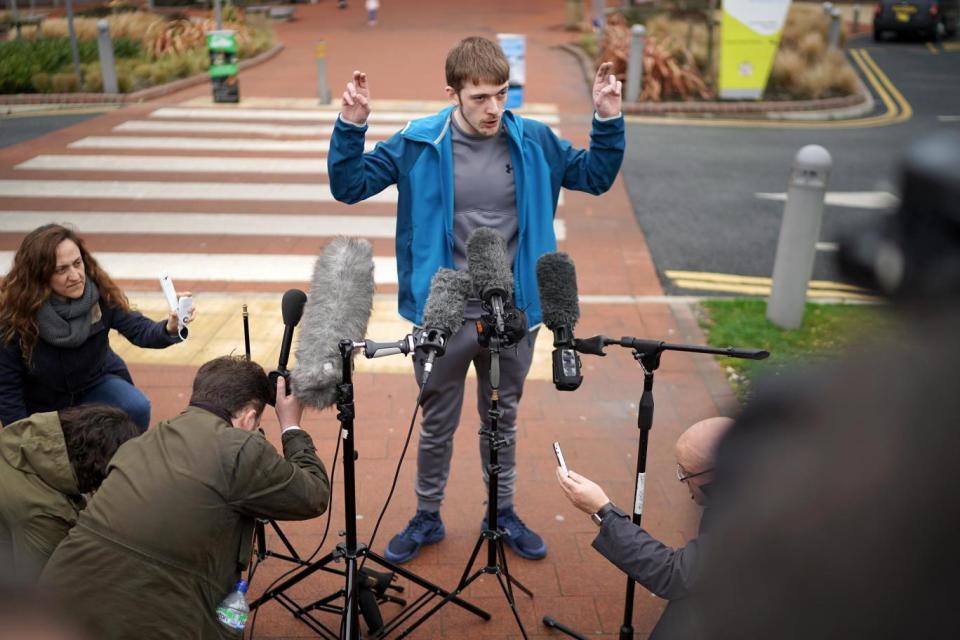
x,y
504,583
510,579
286,543
562,628
426,585
473,557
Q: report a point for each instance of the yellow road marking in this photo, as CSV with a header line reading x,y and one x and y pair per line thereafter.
x,y
951,46
754,280
757,290
897,108
933,49
906,111
760,286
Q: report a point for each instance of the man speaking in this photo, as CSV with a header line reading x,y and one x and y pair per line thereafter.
x,y
165,538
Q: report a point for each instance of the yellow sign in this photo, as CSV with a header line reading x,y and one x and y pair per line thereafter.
x,y
750,36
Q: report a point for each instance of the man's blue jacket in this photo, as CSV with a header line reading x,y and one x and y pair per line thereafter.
x,y
419,160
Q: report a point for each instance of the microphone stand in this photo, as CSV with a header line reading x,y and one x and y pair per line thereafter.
x,y
259,532
350,550
647,354
493,536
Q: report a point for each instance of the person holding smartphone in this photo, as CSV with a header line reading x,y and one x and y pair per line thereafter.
x,y
671,574
57,306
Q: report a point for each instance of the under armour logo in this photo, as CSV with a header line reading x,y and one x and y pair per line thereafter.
x,y
509,168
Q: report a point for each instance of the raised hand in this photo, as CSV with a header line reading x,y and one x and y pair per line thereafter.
x,y
606,91
355,103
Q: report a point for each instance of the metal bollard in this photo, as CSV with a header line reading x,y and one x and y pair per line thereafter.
x,y
599,19
74,49
799,232
833,40
574,15
323,88
108,69
638,37
856,18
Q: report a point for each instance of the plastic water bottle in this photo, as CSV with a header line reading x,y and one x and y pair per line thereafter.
x,y
233,611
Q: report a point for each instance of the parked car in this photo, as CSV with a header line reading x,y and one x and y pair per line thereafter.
x,y
930,19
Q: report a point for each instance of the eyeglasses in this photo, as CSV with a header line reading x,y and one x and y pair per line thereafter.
x,y
683,476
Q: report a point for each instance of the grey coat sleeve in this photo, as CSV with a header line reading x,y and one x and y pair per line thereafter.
x,y
666,572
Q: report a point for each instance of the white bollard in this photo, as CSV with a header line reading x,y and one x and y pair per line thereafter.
x,y
799,232
108,68
856,18
638,37
833,40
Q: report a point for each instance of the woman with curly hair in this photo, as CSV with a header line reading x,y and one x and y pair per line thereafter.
x,y
47,462
57,306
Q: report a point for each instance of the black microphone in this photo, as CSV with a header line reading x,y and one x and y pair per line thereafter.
x,y
291,309
339,308
557,282
490,270
442,314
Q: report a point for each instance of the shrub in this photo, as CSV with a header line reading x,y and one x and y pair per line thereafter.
x,y
92,78
41,82
64,83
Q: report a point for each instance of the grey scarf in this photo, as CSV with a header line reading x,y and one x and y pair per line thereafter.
x,y
66,322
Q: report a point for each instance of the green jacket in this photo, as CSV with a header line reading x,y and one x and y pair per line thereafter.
x,y
39,498
165,537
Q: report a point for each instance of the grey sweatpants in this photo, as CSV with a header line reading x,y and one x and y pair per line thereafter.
x,y
443,401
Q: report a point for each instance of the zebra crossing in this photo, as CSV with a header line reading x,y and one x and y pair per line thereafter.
x,y
161,184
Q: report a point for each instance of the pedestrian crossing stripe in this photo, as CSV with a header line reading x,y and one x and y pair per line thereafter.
x,y
175,164
180,126
229,224
142,190
204,144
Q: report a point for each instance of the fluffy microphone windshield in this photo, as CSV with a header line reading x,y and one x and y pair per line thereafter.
x,y
338,308
487,262
557,281
447,301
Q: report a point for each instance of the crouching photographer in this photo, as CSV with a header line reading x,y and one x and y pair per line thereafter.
x,y
168,533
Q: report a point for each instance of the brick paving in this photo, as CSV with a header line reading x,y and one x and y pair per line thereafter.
x,y
403,57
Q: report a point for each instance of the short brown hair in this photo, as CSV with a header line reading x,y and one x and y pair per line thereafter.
x,y
231,383
476,60
92,434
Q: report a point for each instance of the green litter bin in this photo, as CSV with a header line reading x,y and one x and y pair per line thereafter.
x,y
222,46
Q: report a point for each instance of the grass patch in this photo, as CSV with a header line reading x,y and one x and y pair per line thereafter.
x,y
828,332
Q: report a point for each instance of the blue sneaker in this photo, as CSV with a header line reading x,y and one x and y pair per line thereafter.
x,y
425,527
525,542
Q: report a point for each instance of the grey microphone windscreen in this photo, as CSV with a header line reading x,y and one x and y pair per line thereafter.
x,y
338,308
557,281
447,301
487,262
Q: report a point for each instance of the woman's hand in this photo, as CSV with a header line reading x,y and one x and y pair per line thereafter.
x,y
173,318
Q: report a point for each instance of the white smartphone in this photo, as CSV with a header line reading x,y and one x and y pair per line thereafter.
x,y
166,284
560,460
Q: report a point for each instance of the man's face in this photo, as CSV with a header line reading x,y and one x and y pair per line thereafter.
x,y
481,106
68,275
